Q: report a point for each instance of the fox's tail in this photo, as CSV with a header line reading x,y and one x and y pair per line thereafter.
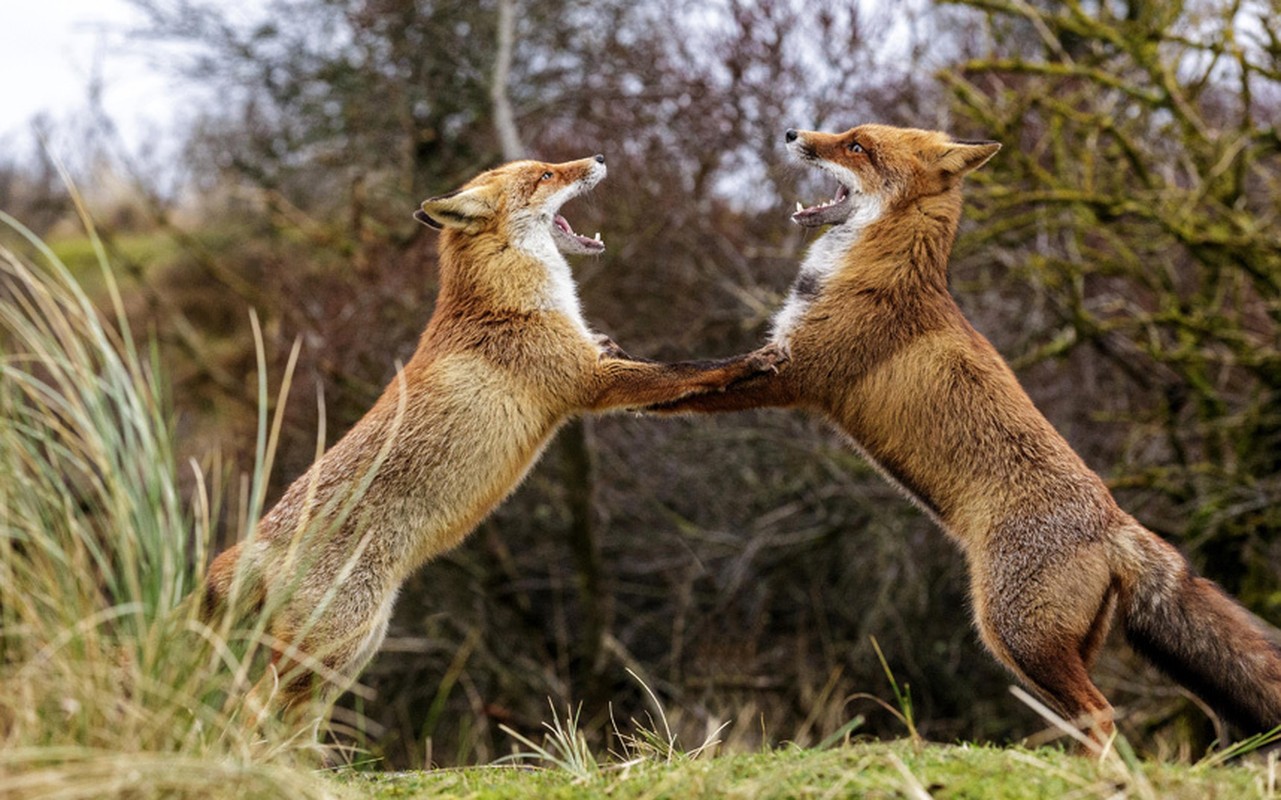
x,y
1194,632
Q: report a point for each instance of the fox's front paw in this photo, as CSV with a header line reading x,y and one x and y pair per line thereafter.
x,y
610,349
770,358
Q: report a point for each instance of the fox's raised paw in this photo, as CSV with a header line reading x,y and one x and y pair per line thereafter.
x,y
770,358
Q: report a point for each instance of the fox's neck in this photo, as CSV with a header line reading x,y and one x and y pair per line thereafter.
x,y
908,248
558,292
497,278
903,249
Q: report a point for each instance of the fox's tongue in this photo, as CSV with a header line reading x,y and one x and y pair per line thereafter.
x,y
570,242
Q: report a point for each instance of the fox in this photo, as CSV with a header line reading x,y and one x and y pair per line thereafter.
x,y
879,347
505,359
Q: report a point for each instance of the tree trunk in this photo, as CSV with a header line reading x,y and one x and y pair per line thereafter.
x,y
504,119
584,540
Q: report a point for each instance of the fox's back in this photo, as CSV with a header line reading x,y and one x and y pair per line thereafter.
x,y
931,402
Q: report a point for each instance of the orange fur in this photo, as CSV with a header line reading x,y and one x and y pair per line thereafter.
x,y
879,346
506,358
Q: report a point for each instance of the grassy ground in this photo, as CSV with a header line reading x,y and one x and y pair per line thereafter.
x,y
875,770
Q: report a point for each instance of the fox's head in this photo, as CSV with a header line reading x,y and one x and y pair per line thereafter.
x,y
879,167
519,201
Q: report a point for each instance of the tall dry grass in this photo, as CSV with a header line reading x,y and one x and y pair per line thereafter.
x,y
110,683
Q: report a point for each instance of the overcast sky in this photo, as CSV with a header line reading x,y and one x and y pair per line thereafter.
x,y
50,50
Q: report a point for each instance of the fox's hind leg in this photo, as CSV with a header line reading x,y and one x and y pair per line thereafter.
x,y
1046,622
1098,632
1056,672
317,657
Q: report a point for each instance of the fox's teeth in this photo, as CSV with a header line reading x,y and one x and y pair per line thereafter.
x,y
598,236
799,207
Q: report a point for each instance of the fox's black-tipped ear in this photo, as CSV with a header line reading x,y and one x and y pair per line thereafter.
x,y
422,217
466,210
961,157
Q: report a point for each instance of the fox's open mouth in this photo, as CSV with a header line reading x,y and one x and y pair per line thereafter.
x,y
828,212
569,242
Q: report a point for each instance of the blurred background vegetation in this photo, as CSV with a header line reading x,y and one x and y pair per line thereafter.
x,y
1123,251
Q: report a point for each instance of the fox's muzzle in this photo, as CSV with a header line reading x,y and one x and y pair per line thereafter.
x,y
798,143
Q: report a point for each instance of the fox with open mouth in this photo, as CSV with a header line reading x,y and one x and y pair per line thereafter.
x,y
505,360
879,346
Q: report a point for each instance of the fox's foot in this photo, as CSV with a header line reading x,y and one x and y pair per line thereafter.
x,y
758,364
771,358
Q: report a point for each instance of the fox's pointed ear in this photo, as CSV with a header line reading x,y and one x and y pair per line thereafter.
x,y
422,217
465,209
960,157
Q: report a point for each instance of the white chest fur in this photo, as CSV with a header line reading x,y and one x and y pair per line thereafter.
x,y
824,259
560,293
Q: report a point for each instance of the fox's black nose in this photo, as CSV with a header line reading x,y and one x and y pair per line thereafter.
x,y
600,159
791,134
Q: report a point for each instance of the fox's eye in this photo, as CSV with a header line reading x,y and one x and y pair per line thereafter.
x,y
547,176
854,147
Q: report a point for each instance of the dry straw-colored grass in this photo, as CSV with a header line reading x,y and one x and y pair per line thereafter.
x,y
110,684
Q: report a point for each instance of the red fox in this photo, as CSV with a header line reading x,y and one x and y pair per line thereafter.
x,y
506,358
879,346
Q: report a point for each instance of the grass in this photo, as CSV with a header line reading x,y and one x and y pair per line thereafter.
x,y
874,770
652,764
110,682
